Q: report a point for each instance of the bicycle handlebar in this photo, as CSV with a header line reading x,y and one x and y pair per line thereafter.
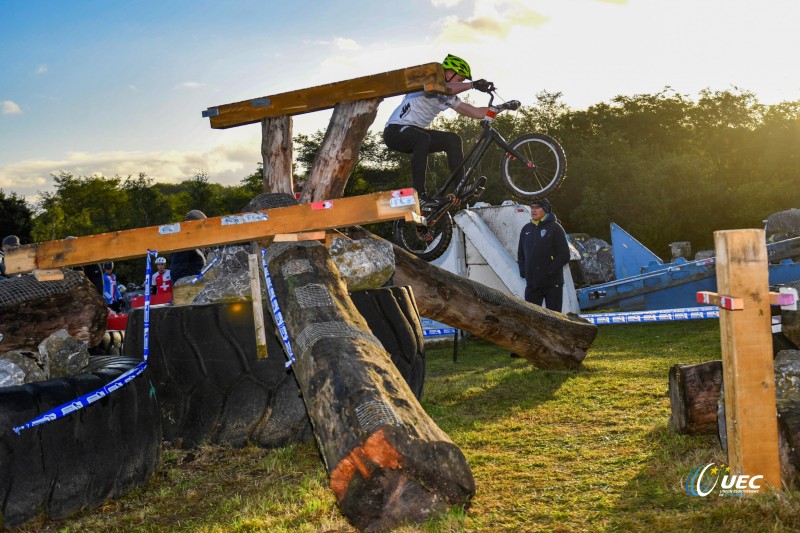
x,y
511,105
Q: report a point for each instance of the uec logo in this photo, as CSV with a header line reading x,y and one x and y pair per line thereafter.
x,y
702,480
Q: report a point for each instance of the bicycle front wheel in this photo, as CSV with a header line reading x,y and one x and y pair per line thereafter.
x,y
426,243
540,172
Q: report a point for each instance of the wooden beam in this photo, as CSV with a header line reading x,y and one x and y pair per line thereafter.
x,y
328,214
428,77
747,362
725,302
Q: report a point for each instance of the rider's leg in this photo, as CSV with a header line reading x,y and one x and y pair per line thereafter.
x,y
450,143
414,141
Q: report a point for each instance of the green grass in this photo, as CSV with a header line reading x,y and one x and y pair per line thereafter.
x,y
550,450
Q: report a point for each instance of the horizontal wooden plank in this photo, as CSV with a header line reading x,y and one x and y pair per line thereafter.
x,y
725,302
429,77
126,244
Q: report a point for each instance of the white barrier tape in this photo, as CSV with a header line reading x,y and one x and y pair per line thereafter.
x,y
276,310
663,315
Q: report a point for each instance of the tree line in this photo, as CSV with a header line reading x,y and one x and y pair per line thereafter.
x,y
664,166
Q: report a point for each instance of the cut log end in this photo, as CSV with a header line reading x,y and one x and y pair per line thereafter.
x,y
693,394
379,487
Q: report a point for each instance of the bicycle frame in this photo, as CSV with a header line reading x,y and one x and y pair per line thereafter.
x,y
469,165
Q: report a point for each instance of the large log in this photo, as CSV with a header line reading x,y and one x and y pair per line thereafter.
x,y
32,310
339,150
693,396
546,338
276,153
388,461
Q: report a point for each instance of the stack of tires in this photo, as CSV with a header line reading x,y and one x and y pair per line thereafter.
x,y
81,460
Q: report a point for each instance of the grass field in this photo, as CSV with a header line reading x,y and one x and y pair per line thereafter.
x,y
586,450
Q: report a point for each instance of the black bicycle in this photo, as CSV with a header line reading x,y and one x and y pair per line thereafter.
x,y
534,166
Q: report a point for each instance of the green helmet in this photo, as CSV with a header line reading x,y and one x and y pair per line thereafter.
x,y
457,65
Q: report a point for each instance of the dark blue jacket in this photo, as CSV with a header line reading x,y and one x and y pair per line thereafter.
x,y
543,252
186,263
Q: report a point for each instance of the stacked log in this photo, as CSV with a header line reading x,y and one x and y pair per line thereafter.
x,y
693,395
32,310
388,461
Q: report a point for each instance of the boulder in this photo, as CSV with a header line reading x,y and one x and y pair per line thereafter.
x,y
229,279
27,362
787,222
681,249
363,263
63,355
597,261
10,374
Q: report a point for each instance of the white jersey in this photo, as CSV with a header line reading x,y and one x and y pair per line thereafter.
x,y
420,108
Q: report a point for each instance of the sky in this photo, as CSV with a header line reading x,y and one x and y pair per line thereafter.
x,y
118,88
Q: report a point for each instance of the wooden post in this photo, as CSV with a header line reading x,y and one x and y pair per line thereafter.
x,y
276,153
339,151
258,311
747,363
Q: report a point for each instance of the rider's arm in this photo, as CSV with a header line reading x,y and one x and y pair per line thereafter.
x,y
463,108
457,87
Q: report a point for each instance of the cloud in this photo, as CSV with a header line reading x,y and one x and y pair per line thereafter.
x,y
445,3
490,19
225,164
192,85
41,69
346,44
10,108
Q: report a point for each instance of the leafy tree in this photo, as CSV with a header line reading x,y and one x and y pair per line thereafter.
x,y
16,216
148,204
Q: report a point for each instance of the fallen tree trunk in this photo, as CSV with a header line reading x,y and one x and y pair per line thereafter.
x,y
693,395
388,461
546,338
31,310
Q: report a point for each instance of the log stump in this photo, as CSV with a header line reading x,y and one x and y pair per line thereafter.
x,y
693,395
31,310
388,461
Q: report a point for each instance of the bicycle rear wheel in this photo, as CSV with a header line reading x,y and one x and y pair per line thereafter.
x,y
542,171
411,239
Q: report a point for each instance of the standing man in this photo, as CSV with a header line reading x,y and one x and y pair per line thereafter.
x,y
160,280
542,253
110,289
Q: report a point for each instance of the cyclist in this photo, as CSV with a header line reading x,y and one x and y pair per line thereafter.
x,y
407,130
